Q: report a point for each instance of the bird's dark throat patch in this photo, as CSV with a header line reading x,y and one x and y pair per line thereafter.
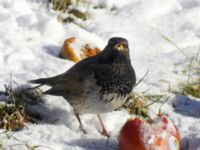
x,y
115,78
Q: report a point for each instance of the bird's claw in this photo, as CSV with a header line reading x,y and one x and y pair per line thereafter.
x,y
83,130
105,133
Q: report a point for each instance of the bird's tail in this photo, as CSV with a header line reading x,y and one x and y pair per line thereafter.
x,y
42,81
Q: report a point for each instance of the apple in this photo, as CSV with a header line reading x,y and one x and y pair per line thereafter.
x,y
159,134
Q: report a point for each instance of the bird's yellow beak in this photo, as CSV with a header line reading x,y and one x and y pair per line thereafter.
x,y
120,47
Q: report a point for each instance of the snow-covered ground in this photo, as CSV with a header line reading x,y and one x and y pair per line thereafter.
x,y
31,38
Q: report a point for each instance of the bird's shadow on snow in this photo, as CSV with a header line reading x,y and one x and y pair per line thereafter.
x,y
190,143
97,144
186,106
50,115
52,50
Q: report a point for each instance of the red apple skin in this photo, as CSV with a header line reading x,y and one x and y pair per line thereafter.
x,y
129,138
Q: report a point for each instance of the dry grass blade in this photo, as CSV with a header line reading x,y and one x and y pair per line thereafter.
x,y
157,97
181,50
31,147
175,45
136,105
139,105
7,133
171,42
159,112
142,78
69,11
192,86
12,118
197,56
60,4
13,109
77,13
189,89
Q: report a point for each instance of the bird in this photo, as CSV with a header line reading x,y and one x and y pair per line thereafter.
x,y
97,84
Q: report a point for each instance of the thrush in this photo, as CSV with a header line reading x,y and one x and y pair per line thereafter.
x,y
97,84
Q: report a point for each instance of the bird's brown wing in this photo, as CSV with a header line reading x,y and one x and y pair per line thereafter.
x,y
71,87
72,81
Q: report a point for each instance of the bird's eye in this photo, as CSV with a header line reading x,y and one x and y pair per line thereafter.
x,y
120,47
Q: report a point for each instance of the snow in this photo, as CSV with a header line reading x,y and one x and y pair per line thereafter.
x,y
31,38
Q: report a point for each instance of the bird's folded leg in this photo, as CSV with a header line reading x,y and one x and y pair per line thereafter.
x,y
80,123
104,131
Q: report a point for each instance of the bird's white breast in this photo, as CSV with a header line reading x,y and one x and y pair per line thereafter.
x,y
93,102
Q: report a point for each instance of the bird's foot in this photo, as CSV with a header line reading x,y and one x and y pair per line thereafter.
x,y
105,133
83,130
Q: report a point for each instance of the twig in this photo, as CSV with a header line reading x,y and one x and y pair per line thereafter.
x,y
197,56
187,144
107,142
175,45
189,71
6,132
146,106
142,78
159,112
145,91
32,147
38,146
171,42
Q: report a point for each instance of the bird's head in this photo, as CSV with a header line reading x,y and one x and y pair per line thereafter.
x,y
118,44
117,50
